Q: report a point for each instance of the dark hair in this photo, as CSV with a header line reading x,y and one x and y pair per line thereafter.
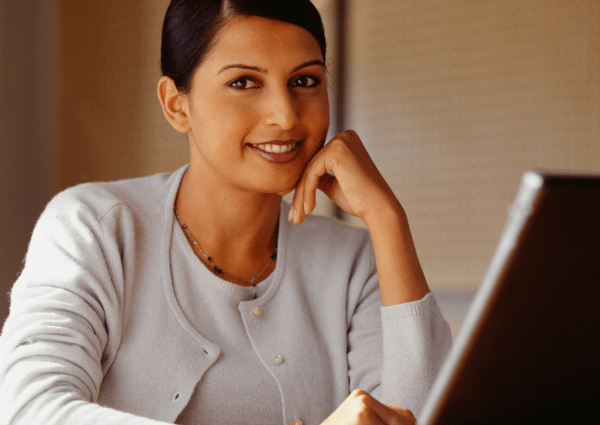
x,y
191,25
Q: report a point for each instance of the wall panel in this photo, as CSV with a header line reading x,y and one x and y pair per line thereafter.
x,y
456,99
110,125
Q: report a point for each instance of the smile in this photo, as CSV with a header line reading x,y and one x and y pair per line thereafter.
x,y
277,152
275,148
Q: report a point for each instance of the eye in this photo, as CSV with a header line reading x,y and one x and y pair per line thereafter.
x,y
305,81
243,83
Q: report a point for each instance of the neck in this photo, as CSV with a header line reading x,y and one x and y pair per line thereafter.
x,y
236,227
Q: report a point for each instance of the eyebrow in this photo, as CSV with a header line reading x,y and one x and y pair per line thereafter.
x,y
264,71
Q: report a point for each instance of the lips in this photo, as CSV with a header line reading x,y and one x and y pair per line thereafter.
x,y
277,151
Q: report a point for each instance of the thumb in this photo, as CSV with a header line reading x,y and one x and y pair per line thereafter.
x,y
405,413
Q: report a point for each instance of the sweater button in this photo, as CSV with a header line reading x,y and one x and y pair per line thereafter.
x,y
278,360
256,312
297,422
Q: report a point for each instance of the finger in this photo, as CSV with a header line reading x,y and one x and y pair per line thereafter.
x,y
393,414
364,409
387,413
313,173
326,183
354,410
292,213
297,212
305,197
311,183
406,413
330,186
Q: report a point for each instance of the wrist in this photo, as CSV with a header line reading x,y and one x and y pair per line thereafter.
x,y
401,278
386,214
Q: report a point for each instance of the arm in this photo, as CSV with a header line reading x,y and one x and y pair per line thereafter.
x,y
401,278
359,189
64,324
415,336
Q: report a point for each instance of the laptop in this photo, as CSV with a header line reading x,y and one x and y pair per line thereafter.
x,y
528,350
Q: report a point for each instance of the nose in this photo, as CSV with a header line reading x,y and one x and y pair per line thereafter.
x,y
282,109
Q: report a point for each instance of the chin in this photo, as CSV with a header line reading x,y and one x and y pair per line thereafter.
x,y
286,191
279,182
278,189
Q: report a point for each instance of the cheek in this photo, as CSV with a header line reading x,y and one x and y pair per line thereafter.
x,y
223,126
318,119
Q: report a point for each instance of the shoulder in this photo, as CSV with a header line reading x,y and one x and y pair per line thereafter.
x,y
141,196
329,234
91,221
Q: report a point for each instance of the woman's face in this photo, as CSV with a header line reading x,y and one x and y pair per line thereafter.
x,y
258,105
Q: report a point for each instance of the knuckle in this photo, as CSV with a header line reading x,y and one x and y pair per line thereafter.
x,y
331,164
409,414
363,416
362,398
357,392
337,143
312,179
340,146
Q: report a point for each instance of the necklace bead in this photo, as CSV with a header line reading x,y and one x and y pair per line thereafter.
x,y
218,270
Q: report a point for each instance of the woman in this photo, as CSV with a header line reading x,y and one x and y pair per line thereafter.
x,y
189,297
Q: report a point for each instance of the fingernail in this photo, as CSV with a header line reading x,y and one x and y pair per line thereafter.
x,y
291,214
295,216
306,209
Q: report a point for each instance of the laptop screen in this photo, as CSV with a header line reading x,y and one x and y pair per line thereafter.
x,y
529,348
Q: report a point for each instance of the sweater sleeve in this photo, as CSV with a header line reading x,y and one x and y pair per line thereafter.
x,y
394,352
64,324
416,340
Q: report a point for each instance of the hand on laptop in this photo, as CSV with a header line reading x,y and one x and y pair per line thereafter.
x,y
362,409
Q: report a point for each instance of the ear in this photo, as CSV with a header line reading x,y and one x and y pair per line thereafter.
x,y
173,104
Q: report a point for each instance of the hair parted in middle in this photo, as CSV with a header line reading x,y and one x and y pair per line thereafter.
x,y
190,27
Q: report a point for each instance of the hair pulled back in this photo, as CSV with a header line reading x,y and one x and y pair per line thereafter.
x,y
191,25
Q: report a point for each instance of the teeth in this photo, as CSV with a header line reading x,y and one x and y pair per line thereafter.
x,y
276,148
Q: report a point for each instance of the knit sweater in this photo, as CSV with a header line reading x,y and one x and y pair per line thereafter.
x,y
100,329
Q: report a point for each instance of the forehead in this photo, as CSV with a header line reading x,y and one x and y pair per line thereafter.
x,y
268,43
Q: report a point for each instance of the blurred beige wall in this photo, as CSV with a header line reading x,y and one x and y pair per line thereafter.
x,y
26,79
77,103
110,125
456,99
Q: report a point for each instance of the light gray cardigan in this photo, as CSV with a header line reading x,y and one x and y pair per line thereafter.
x,y
95,329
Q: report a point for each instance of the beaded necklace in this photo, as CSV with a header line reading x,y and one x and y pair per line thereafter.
x,y
218,270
